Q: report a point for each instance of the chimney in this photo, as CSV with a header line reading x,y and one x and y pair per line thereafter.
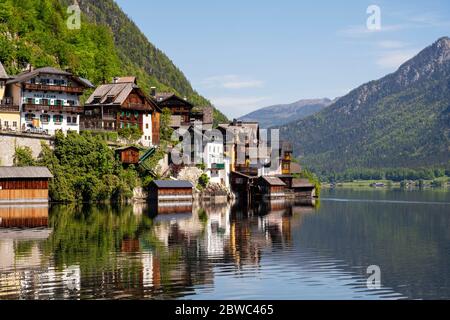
x,y
115,80
153,92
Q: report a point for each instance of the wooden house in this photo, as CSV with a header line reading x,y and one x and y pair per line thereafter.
x,y
271,187
128,155
171,190
181,108
303,188
24,185
122,104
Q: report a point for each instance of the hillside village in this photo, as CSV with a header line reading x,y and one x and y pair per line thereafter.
x,y
41,102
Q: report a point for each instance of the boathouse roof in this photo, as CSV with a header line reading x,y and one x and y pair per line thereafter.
x,y
273,181
301,183
172,184
25,173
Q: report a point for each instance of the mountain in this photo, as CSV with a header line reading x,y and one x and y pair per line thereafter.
x,y
401,120
281,114
108,44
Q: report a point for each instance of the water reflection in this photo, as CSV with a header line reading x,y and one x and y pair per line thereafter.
x,y
264,251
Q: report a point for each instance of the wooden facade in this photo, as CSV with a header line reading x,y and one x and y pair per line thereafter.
x,y
128,155
178,106
303,188
286,157
24,185
171,190
271,187
23,216
122,105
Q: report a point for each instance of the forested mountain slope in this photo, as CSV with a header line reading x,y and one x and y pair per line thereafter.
x,y
401,120
108,44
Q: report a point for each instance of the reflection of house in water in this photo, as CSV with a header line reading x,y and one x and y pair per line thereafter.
x,y
23,267
24,216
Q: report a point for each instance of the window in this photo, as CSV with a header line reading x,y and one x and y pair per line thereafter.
x,y
74,120
146,126
45,102
29,117
14,124
57,118
69,120
7,124
45,118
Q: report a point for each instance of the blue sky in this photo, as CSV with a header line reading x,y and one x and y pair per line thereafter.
x,y
243,55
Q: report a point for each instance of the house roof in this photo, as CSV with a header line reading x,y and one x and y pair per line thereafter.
x,y
241,130
3,74
166,96
116,94
24,172
302,183
130,79
24,76
273,181
172,184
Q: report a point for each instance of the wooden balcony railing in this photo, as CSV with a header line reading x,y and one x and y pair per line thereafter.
x,y
137,106
44,87
41,107
9,108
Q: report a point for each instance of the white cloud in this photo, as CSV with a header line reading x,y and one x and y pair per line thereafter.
x,y
231,82
394,59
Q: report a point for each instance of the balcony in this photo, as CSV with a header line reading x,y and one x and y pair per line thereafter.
x,y
137,106
6,105
28,107
45,87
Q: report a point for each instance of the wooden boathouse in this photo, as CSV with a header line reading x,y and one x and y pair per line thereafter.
x,y
303,188
24,185
271,187
171,191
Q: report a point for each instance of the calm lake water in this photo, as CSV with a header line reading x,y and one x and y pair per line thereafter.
x,y
273,251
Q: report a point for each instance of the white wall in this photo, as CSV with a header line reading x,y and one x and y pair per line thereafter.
x,y
146,139
38,96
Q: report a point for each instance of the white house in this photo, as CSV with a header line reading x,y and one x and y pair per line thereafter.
x,y
49,99
216,165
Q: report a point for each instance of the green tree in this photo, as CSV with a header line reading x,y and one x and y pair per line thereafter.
x,y
23,157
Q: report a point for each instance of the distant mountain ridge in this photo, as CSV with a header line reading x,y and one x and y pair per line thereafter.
x,y
281,114
401,120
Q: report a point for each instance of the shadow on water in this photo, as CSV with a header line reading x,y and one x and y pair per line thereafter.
x,y
269,250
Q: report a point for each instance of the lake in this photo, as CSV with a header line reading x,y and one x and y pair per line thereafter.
x,y
266,251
